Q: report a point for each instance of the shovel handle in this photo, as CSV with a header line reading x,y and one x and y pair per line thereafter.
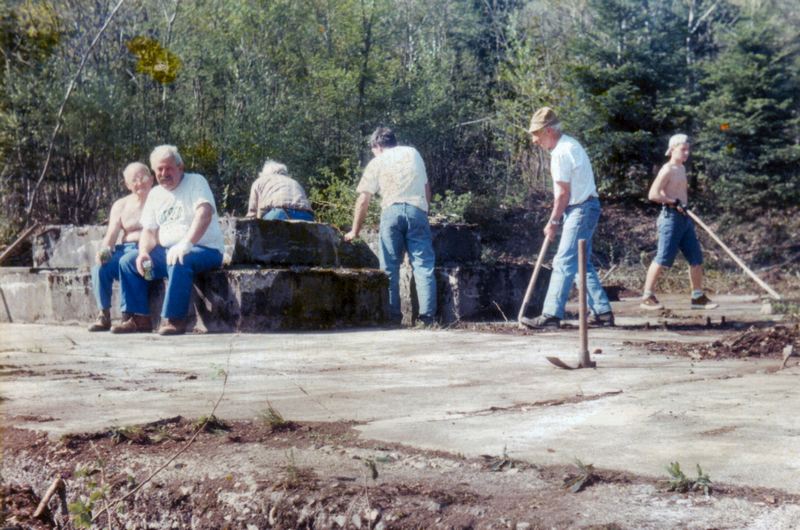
x,y
532,283
736,258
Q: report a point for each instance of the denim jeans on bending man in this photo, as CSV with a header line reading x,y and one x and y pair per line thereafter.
x,y
134,288
580,222
405,228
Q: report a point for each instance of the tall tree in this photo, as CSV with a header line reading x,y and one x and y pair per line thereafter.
x,y
748,147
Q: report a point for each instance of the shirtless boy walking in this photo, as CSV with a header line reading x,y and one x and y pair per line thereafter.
x,y
124,217
675,228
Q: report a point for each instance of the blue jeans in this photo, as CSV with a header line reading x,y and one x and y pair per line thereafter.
x,y
179,284
580,221
405,228
676,231
284,214
103,276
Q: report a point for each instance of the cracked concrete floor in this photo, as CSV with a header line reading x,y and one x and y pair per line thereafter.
x,y
459,391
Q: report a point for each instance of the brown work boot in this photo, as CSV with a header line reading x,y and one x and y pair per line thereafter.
x,y
135,324
703,302
651,303
172,326
103,322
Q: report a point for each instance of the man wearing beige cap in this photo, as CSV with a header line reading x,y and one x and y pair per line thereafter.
x,y
576,209
675,228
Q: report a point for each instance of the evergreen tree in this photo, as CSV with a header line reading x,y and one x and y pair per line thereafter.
x,y
747,148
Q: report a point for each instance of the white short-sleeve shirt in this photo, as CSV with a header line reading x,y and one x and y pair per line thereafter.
x,y
398,175
172,212
569,163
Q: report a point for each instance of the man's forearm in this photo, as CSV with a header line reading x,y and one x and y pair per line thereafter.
x,y
560,204
147,241
360,213
202,219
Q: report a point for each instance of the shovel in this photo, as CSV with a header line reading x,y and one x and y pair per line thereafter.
x,y
532,284
584,360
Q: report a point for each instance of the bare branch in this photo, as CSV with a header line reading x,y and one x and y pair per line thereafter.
x,y
60,114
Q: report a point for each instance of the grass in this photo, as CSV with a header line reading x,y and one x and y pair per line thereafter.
x,y
679,482
295,476
127,434
585,477
211,424
275,420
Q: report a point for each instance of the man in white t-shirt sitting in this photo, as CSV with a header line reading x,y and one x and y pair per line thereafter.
x,y
398,174
181,236
576,208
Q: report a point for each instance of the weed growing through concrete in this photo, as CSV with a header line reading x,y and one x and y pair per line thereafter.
x,y
680,483
294,475
211,424
372,467
128,434
585,477
275,420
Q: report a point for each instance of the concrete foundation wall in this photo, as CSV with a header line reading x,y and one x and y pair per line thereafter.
x,y
477,292
452,243
231,300
247,242
278,275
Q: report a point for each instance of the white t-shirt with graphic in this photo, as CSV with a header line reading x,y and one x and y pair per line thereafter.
x,y
172,212
570,163
398,175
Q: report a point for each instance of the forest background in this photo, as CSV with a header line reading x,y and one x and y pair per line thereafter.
x,y
306,81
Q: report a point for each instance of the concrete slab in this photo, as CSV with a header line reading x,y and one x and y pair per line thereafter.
x,y
458,391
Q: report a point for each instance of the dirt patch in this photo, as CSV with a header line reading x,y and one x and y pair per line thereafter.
x,y
17,506
754,342
316,475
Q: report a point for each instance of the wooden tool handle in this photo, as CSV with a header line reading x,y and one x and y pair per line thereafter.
x,y
736,258
532,283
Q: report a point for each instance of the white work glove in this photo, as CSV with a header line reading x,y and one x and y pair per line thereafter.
x,y
177,251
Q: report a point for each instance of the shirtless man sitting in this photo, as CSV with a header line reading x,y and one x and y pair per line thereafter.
x,y
124,217
675,228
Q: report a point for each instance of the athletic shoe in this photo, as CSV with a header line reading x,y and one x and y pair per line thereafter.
x,y
703,302
603,320
651,303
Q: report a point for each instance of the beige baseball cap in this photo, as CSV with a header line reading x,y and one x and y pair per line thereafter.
x,y
675,140
544,117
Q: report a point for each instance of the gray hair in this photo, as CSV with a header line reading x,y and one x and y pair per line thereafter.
x,y
133,168
273,167
556,126
165,151
383,137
